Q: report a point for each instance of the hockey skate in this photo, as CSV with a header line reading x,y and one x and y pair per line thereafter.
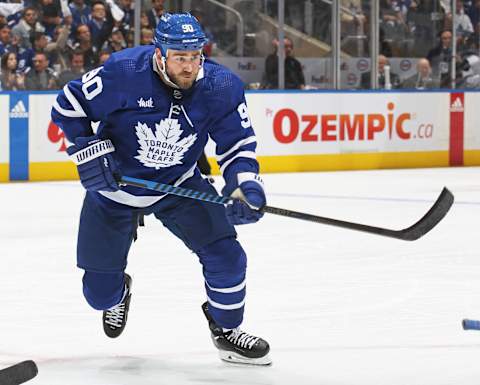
x,y
115,318
237,346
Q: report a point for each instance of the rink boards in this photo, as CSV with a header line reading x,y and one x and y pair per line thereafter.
x,y
296,131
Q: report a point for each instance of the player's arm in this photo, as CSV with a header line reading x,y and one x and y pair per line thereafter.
x,y
82,101
236,146
90,98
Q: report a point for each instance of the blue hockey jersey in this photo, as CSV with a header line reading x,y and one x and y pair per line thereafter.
x,y
159,132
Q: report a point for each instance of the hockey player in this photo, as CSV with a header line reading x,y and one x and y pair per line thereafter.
x,y
157,105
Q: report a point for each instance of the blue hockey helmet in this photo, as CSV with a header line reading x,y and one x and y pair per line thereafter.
x,y
179,31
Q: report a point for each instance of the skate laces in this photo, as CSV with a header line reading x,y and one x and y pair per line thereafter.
x,y
114,316
242,339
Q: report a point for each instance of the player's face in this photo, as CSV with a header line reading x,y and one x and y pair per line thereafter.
x,y
183,66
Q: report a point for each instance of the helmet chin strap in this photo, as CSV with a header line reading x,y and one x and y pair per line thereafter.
x,y
162,67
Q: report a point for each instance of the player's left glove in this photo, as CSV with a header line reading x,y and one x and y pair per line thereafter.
x,y
249,200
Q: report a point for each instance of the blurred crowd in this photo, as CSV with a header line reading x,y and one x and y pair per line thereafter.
x,y
423,29
46,43
416,29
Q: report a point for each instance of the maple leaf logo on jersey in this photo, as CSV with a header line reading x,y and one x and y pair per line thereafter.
x,y
164,148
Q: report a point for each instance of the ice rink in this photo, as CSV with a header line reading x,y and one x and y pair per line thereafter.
x,y
338,307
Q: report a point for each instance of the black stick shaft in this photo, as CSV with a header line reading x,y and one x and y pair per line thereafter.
x,y
417,230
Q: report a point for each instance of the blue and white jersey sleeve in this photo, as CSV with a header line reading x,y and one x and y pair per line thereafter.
x,y
90,98
234,135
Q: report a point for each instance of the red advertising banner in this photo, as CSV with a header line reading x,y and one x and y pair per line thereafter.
x,y
457,111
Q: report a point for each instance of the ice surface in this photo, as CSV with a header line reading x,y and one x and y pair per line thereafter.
x,y
338,307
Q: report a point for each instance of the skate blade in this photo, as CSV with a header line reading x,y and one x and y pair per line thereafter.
x,y
235,358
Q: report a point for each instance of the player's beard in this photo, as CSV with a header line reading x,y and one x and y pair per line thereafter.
x,y
184,82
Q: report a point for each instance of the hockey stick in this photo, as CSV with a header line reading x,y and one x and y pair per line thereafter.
x,y
19,373
417,230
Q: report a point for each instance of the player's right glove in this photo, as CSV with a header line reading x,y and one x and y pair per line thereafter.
x,y
95,164
249,200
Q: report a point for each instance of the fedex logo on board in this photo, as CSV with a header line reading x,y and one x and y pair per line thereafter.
x,y
289,126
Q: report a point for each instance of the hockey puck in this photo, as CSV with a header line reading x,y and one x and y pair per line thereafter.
x,y
469,324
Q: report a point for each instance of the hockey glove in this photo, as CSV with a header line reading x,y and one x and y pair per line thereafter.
x,y
95,164
249,200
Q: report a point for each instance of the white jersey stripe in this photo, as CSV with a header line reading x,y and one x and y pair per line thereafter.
x,y
67,113
233,289
73,101
128,199
220,306
243,142
241,154
186,116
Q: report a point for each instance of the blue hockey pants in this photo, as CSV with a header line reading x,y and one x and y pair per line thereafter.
x,y
106,233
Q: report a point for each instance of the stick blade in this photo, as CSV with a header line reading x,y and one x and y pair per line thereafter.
x,y
436,213
19,373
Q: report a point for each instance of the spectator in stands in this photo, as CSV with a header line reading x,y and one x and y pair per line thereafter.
x,y
144,23
27,25
356,17
5,40
146,36
385,48
11,79
84,43
50,15
55,50
383,64
462,23
24,55
103,57
11,11
392,20
58,49
40,77
100,24
39,41
76,70
423,78
440,57
126,7
155,12
425,18
294,77
116,41
474,13
80,12
130,38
